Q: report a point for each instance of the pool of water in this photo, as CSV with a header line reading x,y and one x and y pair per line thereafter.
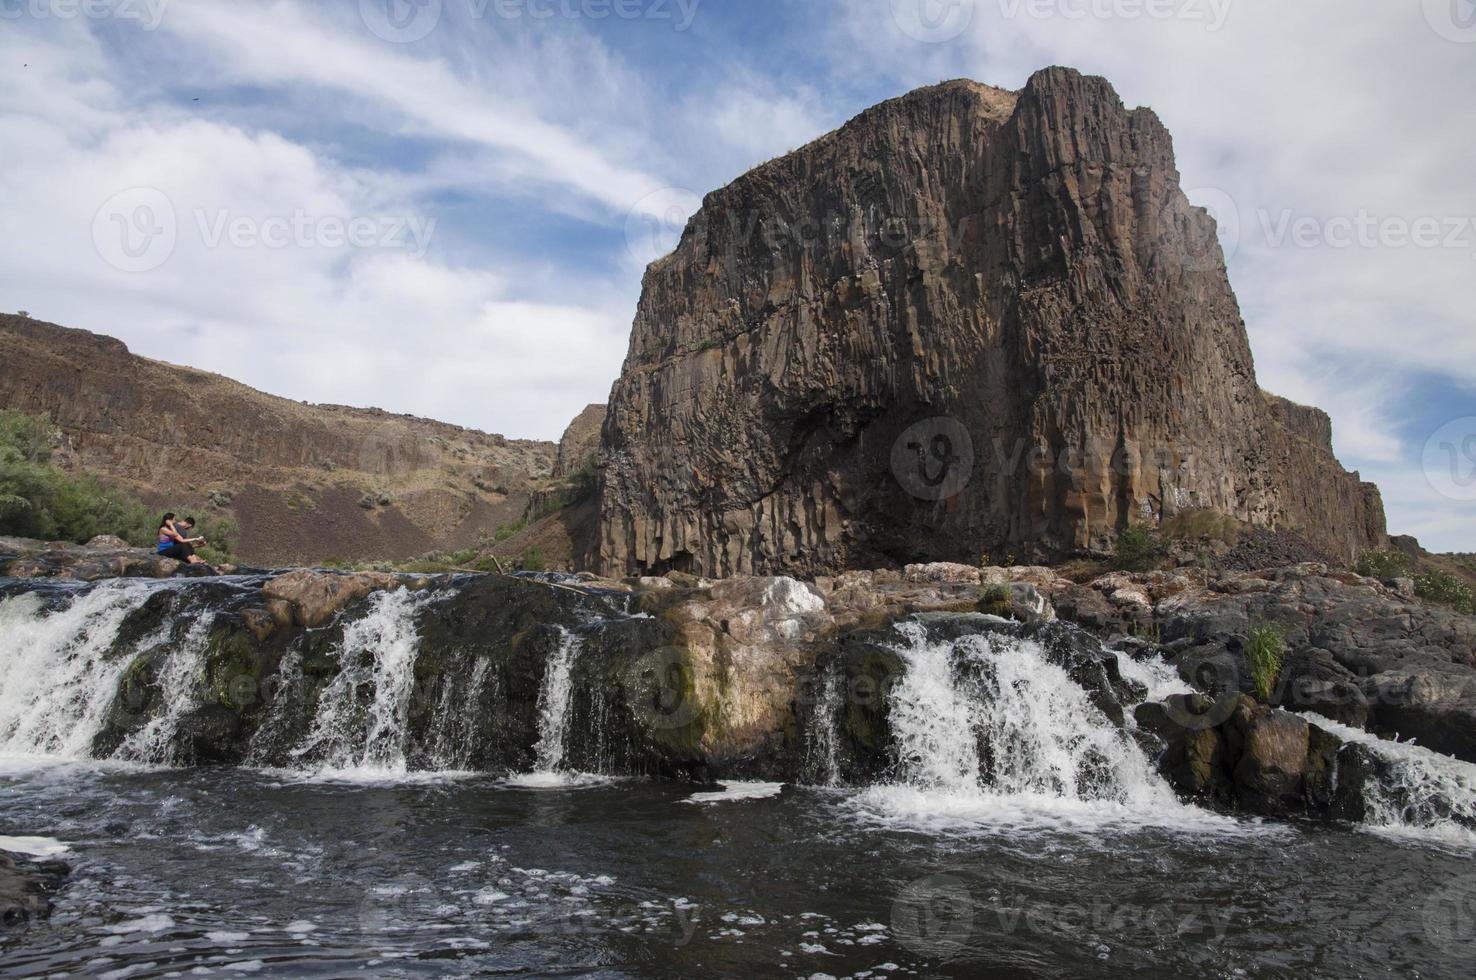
x,y
241,872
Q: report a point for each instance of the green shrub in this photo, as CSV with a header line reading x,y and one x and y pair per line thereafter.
x,y
1382,565
531,560
1265,646
583,482
1139,549
997,600
1200,524
1443,588
505,531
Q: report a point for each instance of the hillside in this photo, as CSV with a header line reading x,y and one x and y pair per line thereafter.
x,y
305,482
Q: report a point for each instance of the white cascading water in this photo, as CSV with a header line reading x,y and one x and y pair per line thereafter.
x,y
553,704
1425,794
987,728
821,738
454,725
180,679
58,680
378,654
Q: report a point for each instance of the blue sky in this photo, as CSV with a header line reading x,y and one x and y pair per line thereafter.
x,y
503,169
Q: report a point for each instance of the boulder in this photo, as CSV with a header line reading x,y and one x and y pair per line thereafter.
x,y
953,327
26,888
317,597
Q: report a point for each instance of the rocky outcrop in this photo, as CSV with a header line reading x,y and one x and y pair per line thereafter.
x,y
290,473
580,445
970,321
26,887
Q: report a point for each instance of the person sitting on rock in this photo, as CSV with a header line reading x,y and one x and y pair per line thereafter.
x,y
174,544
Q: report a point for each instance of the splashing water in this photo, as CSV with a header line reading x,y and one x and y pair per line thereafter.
x,y
59,676
1420,793
180,679
987,729
378,655
553,704
821,738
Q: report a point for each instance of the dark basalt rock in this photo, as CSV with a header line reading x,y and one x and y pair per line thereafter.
x,y
26,888
1016,273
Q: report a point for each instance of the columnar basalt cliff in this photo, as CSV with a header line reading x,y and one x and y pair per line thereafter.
x,y
970,320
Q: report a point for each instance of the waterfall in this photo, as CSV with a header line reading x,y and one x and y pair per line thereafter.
x,y
454,726
1417,792
60,671
987,723
179,679
553,704
822,740
362,718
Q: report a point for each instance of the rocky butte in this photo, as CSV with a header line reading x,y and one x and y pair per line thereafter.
x,y
969,321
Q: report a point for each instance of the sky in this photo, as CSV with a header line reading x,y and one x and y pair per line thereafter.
x,y
444,207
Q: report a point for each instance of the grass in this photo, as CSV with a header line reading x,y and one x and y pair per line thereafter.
x,y
1139,549
1200,524
1265,647
997,600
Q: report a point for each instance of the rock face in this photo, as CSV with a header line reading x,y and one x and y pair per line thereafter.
x,y
291,474
580,444
970,320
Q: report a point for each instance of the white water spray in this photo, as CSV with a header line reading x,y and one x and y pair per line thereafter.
x,y
986,728
1425,794
180,679
378,654
553,704
56,678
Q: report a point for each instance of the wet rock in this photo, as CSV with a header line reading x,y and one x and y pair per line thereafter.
x,y
316,597
26,889
1272,748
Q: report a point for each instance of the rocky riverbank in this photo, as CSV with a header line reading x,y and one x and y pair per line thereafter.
x,y
698,679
